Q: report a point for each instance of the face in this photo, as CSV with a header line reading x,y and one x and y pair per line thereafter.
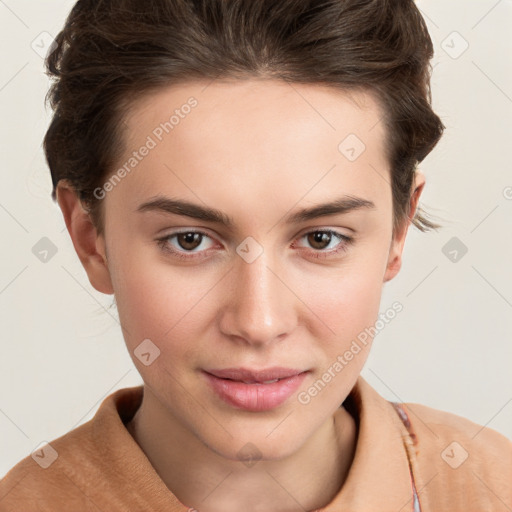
x,y
269,289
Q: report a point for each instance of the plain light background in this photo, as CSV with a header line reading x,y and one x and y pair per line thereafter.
x,y
451,346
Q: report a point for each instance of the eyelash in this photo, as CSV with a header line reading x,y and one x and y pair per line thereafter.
x,y
344,244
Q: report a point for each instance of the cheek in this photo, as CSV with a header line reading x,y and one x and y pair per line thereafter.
x,y
347,301
163,303
141,303
154,307
356,303
347,298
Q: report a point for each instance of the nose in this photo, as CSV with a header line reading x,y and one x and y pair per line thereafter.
x,y
260,308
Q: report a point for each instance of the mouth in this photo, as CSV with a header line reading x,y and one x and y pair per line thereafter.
x,y
255,390
264,376
255,382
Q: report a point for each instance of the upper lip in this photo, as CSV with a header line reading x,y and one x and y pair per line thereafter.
x,y
244,374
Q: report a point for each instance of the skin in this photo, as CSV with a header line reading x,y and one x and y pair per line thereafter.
x,y
257,150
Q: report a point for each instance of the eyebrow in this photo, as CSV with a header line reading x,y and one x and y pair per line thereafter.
x,y
339,206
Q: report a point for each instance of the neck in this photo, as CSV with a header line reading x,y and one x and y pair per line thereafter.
x,y
208,482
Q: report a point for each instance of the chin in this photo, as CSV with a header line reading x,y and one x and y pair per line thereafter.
x,y
250,449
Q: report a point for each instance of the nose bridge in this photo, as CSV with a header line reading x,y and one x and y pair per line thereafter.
x,y
261,308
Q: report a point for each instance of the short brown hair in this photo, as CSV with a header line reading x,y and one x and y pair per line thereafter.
x,y
112,51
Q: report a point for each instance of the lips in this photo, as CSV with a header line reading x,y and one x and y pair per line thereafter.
x,y
255,390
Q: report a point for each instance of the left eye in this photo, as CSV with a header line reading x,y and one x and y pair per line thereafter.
x,y
318,239
189,240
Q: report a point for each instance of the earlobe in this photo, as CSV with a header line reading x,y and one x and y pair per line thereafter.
x,y
394,262
89,247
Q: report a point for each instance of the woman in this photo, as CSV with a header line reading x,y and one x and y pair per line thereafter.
x,y
241,175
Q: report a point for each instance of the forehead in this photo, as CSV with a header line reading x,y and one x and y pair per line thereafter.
x,y
265,136
273,103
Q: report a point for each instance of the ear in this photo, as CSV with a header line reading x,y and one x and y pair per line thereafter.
x,y
88,245
397,243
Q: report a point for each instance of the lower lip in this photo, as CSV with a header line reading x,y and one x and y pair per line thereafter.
x,y
255,397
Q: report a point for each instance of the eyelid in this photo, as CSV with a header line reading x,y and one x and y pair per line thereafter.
x,y
326,229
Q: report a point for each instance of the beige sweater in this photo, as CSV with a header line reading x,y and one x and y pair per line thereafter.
x,y
408,457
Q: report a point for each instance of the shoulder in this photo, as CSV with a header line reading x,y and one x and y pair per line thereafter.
x,y
458,460
78,467
441,427
46,473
